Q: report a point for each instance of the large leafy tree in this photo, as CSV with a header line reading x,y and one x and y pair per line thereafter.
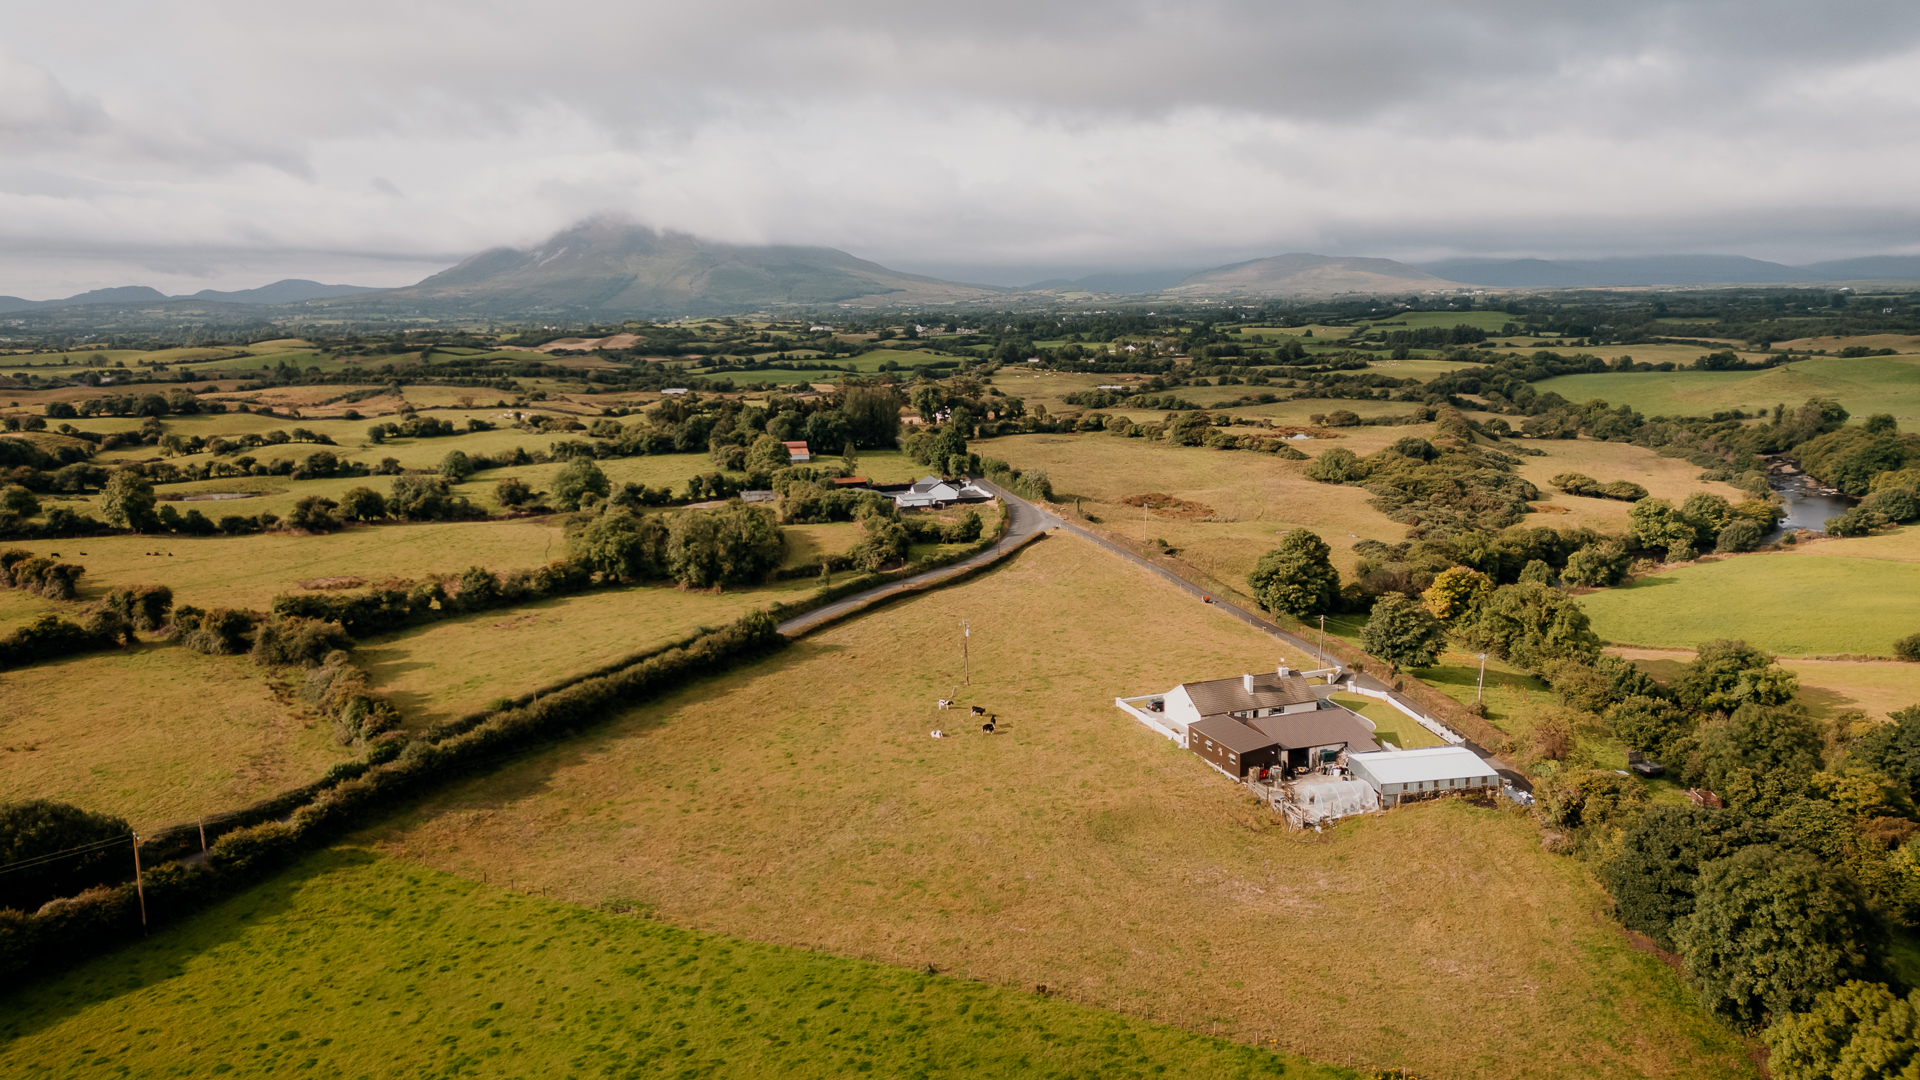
x,y
1455,592
1532,625
622,545
127,501
1654,523
1597,565
1654,876
1893,749
1649,724
1756,758
1770,931
1402,632
1857,1031
729,545
1725,675
1297,577
576,480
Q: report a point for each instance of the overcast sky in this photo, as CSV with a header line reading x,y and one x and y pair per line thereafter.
x,y
220,144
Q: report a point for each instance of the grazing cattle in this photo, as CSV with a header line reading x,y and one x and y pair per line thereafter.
x,y
978,711
943,704
937,733
987,727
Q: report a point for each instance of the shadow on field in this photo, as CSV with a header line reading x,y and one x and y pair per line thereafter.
x,y
40,1003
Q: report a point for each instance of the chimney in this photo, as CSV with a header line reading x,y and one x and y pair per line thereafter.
x,y
1246,683
1283,671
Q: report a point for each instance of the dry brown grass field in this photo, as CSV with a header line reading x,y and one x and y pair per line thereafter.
x,y
1253,498
248,571
156,733
1666,478
801,801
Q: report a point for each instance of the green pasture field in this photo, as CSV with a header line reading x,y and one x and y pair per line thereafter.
x,y
157,734
352,964
1868,384
1490,321
249,571
1073,848
1832,598
1390,724
447,669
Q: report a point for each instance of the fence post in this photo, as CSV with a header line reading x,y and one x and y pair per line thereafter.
x,y
139,885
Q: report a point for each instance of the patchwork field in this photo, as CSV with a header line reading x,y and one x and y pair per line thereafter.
x,y
1868,384
1073,848
1831,597
357,965
157,734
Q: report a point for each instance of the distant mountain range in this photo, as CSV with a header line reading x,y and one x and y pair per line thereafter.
x,y
1300,274
1668,270
612,268
289,291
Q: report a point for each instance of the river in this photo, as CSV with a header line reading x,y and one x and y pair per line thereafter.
x,y
1809,503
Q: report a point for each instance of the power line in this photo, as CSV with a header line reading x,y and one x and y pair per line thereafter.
x,y
37,860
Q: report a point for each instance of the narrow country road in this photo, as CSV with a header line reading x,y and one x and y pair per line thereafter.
x,y
1028,520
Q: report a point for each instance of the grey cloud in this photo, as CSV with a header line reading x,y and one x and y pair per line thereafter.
x,y
996,134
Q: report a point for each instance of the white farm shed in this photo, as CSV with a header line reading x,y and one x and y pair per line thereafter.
x,y
1414,774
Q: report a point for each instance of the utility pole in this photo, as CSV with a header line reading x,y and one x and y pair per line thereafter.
x,y
139,885
1323,639
203,836
966,662
1481,687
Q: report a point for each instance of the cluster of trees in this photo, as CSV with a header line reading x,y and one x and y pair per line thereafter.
x,y
1778,903
1456,487
1862,459
109,624
50,637
37,574
1704,522
732,544
1581,484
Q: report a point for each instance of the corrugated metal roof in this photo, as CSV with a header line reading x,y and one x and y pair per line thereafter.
x,y
1229,733
1270,691
1321,727
1415,766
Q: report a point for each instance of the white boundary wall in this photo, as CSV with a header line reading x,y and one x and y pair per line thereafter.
x,y
1147,718
1424,721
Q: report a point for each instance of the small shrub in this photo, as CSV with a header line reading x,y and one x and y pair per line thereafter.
x,y
1908,648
